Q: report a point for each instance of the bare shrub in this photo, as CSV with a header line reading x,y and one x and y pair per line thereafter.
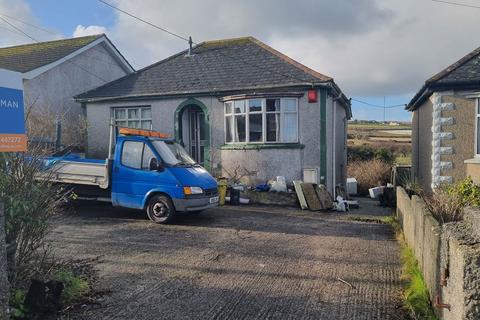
x,y
237,173
369,174
445,206
41,123
30,206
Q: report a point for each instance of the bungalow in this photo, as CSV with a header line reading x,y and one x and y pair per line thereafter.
x,y
446,120
238,106
54,71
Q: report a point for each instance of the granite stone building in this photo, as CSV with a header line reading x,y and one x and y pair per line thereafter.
x,y
446,120
234,103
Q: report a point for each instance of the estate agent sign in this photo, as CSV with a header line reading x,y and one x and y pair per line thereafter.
x,y
12,121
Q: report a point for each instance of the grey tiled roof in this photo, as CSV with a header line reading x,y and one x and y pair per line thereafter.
x,y
463,74
28,57
214,66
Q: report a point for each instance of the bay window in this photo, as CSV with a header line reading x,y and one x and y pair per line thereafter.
x,y
266,120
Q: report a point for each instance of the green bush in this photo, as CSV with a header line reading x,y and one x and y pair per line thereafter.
x,y
75,287
366,153
385,155
467,191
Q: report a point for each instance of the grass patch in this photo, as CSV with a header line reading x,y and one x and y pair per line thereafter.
x,y
416,293
390,220
75,288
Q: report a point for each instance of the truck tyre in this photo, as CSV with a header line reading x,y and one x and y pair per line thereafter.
x,y
160,209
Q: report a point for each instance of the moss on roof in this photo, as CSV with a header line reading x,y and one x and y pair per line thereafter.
x,y
24,58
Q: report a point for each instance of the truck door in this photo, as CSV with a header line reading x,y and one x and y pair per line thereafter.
x,y
132,179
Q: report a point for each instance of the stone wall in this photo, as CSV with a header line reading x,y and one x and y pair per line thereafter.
x,y
448,255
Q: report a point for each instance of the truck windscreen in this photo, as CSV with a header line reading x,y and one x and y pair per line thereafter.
x,y
172,153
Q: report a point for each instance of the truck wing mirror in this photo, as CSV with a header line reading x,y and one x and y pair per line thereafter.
x,y
154,165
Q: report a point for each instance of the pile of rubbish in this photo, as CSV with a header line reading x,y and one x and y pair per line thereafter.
x,y
314,197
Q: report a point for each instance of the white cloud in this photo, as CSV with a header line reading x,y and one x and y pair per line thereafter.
x,y
370,47
81,31
20,11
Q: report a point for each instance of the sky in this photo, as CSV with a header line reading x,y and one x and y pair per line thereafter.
x,y
375,50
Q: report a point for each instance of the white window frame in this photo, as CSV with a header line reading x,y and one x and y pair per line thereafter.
x,y
264,112
127,119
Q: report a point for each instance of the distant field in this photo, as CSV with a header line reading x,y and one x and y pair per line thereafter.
x,y
377,126
383,136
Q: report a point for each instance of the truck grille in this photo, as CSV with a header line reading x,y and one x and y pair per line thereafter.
x,y
210,192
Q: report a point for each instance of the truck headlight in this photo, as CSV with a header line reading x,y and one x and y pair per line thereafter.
x,y
192,190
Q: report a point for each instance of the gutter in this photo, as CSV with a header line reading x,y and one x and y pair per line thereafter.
x,y
197,93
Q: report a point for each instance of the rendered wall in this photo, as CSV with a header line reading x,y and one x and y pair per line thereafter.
x,y
422,145
268,163
51,93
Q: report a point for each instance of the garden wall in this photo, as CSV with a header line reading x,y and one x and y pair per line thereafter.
x,y
448,255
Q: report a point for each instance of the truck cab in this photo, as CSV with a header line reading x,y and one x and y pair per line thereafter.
x,y
144,170
157,174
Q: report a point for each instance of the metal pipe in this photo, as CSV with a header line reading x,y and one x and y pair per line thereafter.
x,y
110,143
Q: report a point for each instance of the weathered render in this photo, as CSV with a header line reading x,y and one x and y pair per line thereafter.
x,y
218,72
444,137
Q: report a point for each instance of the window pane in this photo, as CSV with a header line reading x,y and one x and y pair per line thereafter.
x,y
147,156
228,107
229,129
146,113
121,123
120,114
134,124
273,105
255,123
201,123
289,127
240,133
273,127
240,106
289,105
133,114
255,105
132,154
147,124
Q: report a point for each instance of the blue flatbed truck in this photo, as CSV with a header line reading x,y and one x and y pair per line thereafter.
x,y
144,170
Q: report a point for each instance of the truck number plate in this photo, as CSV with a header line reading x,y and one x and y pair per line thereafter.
x,y
214,200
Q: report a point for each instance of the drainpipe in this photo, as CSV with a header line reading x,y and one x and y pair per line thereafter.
x,y
334,149
112,136
334,171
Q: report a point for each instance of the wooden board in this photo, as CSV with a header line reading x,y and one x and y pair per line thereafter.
x,y
324,197
311,196
301,198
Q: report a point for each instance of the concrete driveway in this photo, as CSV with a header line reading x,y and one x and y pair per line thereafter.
x,y
236,263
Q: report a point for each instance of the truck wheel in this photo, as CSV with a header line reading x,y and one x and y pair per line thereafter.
x,y
160,209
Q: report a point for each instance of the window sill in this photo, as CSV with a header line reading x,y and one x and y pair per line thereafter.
x,y
472,161
253,146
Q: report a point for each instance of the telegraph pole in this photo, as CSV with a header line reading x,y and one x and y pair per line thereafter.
x,y
384,107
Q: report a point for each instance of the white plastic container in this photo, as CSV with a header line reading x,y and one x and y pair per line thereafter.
x,y
351,186
375,192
